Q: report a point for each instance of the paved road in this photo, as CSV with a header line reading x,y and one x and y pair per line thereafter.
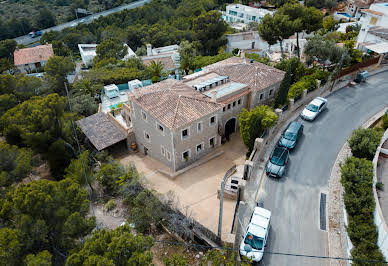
x,y
294,199
27,40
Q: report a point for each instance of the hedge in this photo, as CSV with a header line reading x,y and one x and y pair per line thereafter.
x,y
364,142
357,180
307,82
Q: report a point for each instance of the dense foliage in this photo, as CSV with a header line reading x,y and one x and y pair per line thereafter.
x,y
159,23
357,180
15,164
364,142
42,215
254,122
114,247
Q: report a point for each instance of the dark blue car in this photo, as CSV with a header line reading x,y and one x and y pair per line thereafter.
x,y
291,135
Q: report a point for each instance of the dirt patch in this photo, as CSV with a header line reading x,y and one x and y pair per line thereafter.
x,y
109,219
39,172
164,249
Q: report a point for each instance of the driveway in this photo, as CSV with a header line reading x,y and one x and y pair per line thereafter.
x,y
195,191
88,19
294,199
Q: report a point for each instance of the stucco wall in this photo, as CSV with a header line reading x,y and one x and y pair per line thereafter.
x,y
234,111
268,94
157,138
195,138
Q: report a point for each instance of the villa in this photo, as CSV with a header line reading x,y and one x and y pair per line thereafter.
x,y
179,122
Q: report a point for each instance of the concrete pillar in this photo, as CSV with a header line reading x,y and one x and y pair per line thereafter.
x,y
259,142
149,49
304,94
279,113
291,104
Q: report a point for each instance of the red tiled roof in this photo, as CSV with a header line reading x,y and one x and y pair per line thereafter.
x,y
257,75
175,104
33,55
167,62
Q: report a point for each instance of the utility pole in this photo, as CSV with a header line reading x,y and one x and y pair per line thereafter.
x,y
339,66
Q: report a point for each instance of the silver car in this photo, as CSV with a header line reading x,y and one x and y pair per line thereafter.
x,y
314,108
278,161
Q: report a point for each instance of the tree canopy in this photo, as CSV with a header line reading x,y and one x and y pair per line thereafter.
x,y
254,122
111,48
57,68
43,215
364,142
114,247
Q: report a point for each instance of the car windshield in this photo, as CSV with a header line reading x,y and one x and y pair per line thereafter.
x,y
312,108
279,156
289,135
254,241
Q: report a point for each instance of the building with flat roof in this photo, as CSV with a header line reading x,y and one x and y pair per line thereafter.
x,y
244,14
88,53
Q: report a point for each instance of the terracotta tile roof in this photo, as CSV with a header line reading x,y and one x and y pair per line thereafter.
x,y
175,104
235,97
33,55
167,61
257,75
373,12
101,132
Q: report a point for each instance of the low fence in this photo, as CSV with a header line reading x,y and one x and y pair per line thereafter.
x,y
353,68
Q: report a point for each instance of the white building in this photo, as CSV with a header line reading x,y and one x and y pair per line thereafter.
x,y
167,55
88,52
244,14
377,15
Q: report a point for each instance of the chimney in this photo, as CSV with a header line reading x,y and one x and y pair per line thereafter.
x,y
242,54
149,49
214,95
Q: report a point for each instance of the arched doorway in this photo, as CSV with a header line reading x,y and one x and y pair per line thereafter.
x,y
230,127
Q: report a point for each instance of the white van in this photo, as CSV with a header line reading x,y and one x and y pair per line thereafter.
x,y
256,235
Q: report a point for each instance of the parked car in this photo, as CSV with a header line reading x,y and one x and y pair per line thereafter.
x,y
361,76
34,34
256,235
314,108
291,135
277,162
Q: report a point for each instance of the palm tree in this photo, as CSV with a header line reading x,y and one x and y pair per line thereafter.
x,y
155,69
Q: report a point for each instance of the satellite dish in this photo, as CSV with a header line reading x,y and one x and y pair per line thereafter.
x,y
248,248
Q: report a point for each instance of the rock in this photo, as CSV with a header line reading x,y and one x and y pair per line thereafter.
x,y
165,253
197,256
201,253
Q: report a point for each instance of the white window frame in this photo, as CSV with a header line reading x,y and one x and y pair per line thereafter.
x,y
144,116
215,141
202,149
158,129
199,130
215,121
183,157
162,150
149,139
188,133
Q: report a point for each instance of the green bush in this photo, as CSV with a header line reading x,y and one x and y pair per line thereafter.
x,y
385,121
380,186
364,142
357,180
258,58
296,89
110,205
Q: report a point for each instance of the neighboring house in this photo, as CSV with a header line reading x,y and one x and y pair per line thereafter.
x,y
88,52
252,42
178,122
29,60
168,55
377,15
244,14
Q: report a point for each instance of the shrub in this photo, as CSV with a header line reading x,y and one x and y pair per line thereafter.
x,y
385,121
364,142
296,90
357,180
110,205
380,186
175,260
